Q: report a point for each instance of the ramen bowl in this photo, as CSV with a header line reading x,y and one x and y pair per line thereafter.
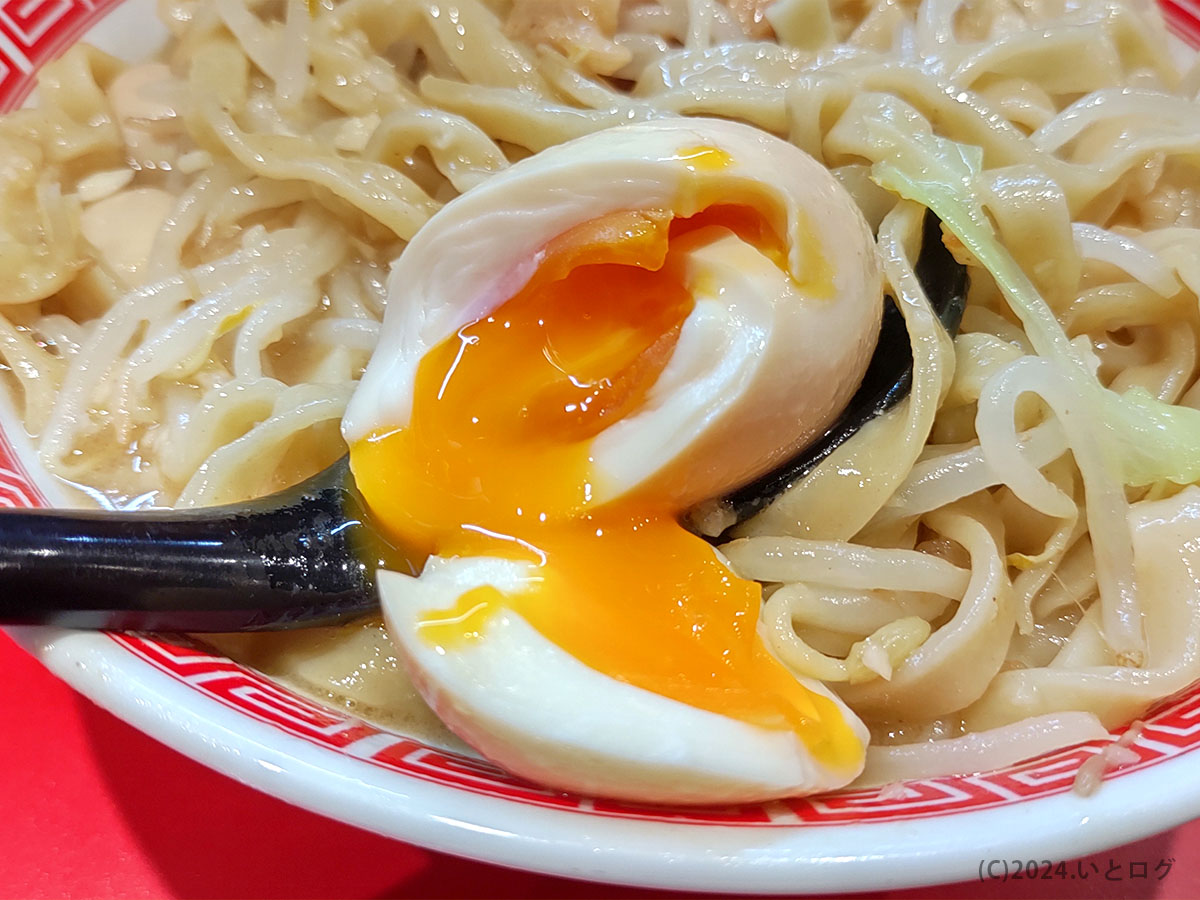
x,y
321,758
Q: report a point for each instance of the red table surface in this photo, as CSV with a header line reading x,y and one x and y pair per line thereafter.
x,y
91,808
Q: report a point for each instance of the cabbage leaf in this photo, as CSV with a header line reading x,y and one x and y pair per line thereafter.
x,y
1148,440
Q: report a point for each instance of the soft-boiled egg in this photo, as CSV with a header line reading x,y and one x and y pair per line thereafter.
x,y
574,353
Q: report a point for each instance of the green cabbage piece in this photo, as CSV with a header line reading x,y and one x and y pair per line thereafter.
x,y
1148,440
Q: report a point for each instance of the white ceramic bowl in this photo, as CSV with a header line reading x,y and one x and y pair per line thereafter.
x,y
242,724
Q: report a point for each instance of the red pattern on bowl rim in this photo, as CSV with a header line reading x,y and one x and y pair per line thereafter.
x,y
35,31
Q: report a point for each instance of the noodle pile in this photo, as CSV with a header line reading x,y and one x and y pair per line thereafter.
x,y
193,252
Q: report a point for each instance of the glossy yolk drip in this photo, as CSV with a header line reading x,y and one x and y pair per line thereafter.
x,y
494,462
504,410
704,159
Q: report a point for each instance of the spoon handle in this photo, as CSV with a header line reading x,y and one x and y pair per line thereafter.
x,y
301,556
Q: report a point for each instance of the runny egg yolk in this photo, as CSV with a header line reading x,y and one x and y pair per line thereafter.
x,y
495,462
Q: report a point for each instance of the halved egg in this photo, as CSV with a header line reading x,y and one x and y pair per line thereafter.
x,y
574,353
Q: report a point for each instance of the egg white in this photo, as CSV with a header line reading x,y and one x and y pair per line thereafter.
x,y
756,374
762,363
727,408
534,709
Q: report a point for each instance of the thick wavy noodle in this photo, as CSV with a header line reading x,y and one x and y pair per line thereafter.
x,y
193,252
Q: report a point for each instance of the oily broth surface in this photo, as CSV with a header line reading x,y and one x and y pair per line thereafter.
x,y
353,666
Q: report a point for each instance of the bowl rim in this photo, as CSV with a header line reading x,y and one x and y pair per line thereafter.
x,y
787,858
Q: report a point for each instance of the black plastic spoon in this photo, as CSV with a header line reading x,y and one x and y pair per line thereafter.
x,y
308,555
